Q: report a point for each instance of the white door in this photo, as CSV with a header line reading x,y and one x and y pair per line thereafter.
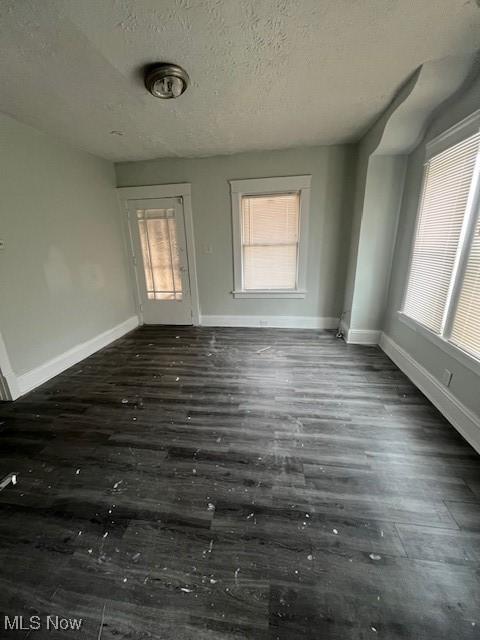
x,y
157,229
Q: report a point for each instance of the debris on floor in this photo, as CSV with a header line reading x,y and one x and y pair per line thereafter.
x,y
264,349
10,478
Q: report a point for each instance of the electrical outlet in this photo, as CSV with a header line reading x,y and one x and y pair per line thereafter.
x,y
263,323
2,245
447,377
207,248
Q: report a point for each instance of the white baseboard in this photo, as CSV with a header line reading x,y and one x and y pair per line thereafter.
x,y
465,421
44,372
278,322
362,336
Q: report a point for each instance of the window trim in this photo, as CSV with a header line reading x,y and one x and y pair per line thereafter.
x,y
463,357
453,135
270,186
449,138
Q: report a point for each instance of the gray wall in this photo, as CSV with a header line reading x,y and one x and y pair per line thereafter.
x,y
63,277
465,384
332,170
374,218
383,192
361,170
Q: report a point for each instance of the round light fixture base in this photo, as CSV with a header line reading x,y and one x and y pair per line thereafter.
x,y
166,80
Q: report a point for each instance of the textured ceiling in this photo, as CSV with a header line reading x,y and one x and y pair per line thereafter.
x,y
266,74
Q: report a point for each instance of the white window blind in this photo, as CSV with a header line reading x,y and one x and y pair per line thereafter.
x,y
466,324
443,205
161,260
270,241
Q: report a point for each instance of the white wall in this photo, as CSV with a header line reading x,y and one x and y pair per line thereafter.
x,y
465,385
63,275
332,171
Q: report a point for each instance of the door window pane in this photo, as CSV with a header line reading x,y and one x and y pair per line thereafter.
x,y
161,259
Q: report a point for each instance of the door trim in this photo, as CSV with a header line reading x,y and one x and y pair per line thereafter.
x,y
8,380
180,190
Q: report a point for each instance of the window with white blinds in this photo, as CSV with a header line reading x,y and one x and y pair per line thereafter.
x,y
270,233
466,323
443,287
270,241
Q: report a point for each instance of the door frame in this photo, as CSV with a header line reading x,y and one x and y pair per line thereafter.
x,y
150,192
8,380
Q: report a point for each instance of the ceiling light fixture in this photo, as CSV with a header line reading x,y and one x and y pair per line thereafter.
x,y
166,80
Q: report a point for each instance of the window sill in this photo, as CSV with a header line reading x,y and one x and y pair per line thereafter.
x,y
447,347
270,293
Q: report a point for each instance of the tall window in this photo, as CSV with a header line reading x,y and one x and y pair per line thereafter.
x,y
269,224
443,288
270,241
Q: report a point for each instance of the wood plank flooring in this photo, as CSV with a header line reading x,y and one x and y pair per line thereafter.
x,y
194,483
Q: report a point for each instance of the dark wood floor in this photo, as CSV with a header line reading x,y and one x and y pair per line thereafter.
x,y
194,483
